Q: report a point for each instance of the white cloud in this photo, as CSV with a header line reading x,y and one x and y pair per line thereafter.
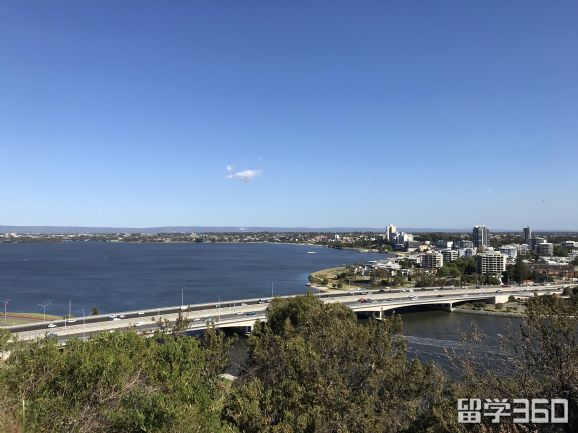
x,y
229,167
243,176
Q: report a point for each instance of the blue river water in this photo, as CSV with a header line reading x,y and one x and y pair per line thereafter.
x,y
132,276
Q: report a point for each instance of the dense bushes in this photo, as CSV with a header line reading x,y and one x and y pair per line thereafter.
x,y
312,367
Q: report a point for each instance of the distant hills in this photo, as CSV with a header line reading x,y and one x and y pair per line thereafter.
x,y
207,229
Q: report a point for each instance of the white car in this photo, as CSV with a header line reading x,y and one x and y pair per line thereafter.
x,y
139,323
414,298
197,319
116,319
52,325
71,320
141,313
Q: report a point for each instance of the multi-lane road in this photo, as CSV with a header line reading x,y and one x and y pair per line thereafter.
x,y
242,313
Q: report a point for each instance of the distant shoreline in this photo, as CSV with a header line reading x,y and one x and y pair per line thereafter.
x,y
54,241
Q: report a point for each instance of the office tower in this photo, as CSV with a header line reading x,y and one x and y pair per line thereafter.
x,y
527,235
480,236
390,232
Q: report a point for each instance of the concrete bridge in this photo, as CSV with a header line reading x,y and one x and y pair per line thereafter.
x,y
242,314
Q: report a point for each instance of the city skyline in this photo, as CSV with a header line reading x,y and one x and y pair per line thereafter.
x,y
439,114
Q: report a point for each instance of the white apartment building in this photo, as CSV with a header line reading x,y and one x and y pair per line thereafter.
x,y
449,255
491,262
510,251
466,252
432,260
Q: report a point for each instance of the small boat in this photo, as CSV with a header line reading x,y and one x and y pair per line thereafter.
x,y
311,252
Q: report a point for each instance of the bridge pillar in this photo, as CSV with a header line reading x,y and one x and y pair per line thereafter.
x,y
377,315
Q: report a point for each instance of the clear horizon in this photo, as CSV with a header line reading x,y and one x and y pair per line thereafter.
x,y
260,114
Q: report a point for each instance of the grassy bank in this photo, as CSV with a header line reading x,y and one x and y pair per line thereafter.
x,y
24,318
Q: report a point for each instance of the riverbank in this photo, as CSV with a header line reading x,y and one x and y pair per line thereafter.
x,y
487,312
323,279
25,318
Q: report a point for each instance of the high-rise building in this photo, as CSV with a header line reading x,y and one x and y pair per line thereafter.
x,y
545,249
480,236
491,262
527,235
390,231
432,260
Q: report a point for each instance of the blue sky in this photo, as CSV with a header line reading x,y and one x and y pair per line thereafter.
x,y
289,113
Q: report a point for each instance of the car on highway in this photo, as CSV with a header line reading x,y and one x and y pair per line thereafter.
x,y
139,323
71,321
414,298
363,300
243,304
251,313
141,313
116,319
52,325
51,335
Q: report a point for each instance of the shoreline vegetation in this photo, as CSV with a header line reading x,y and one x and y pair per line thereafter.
x,y
148,241
125,382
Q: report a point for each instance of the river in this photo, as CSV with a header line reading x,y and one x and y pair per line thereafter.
x,y
133,276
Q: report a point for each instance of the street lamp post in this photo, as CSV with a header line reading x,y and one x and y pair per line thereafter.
x,y
219,309
83,323
6,302
44,310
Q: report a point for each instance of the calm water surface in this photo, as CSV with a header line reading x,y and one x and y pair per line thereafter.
x,y
131,276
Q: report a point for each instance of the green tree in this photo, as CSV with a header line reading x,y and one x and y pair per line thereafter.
x,y
120,382
539,359
332,373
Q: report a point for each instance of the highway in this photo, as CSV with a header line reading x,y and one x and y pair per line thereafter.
x,y
245,312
